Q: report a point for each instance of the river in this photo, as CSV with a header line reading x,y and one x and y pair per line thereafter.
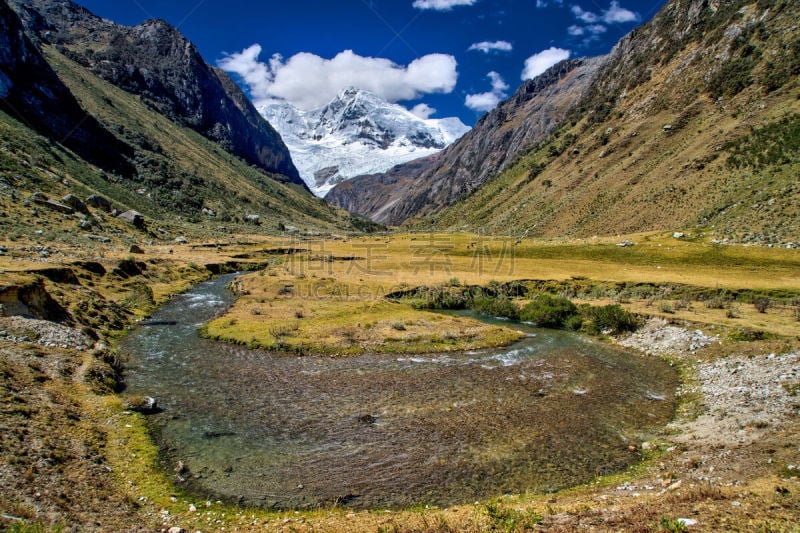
x,y
387,431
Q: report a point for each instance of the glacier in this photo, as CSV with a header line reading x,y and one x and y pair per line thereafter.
x,y
356,133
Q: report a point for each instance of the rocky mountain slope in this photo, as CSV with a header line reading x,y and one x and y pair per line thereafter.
x,y
375,195
31,92
694,123
515,125
65,131
356,133
155,61
692,120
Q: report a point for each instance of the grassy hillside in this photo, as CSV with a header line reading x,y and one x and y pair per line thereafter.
x,y
179,172
705,138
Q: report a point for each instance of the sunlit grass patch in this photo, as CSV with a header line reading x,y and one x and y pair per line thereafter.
x,y
288,314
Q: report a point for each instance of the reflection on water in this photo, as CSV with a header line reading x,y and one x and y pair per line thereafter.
x,y
551,411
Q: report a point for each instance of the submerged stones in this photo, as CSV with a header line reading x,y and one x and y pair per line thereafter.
x,y
394,432
367,420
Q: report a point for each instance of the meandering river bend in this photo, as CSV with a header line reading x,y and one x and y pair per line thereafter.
x,y
376,431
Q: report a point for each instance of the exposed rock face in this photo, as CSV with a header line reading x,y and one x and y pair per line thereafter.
x,y
374,195
99,202
133,218
536,109
155,61
31,92
30,300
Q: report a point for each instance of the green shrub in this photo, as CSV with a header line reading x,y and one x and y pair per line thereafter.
x,y
732,78
141,296
500,306
717,302
747,335
672,525
574,323
611,318
549,311
453,298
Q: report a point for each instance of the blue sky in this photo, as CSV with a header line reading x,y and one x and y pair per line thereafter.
x,y
439,58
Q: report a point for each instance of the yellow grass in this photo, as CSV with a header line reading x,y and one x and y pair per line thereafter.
x,y
329,295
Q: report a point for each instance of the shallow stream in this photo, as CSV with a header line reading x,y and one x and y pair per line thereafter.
x,y
376,431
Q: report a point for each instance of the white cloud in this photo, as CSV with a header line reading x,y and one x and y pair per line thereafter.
x,y
422,110
594,24
482,101
498,84
591,29
583,15
308,80
575,30
487,46
488,100
538,63
255,74
544,3
617,15
441,5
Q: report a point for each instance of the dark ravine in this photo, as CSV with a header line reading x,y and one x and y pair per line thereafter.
x,y
155,61
286,432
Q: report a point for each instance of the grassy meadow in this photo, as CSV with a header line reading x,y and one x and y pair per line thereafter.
x,y
329,296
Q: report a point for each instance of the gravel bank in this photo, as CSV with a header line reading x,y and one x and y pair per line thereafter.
x,y
742,396
42,332
659,338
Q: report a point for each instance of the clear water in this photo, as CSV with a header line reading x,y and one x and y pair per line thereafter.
x,y
376,431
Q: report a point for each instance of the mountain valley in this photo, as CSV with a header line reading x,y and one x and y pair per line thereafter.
x,y
651,137
636,209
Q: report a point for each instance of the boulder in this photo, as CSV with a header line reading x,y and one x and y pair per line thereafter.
x,y
146,405
135,249
98,238
41,199
134,218
75,203
99,202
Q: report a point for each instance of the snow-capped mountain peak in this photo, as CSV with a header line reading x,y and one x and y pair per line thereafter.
x,y
356,133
